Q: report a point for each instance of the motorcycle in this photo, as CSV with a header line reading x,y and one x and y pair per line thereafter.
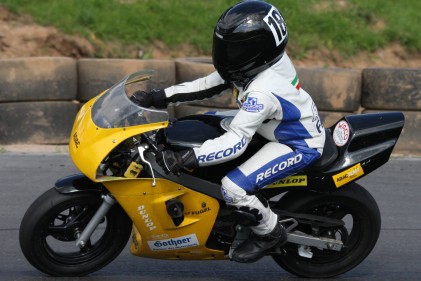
x,y
84,222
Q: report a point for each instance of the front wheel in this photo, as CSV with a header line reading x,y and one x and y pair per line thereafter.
x,y
52,223
360,213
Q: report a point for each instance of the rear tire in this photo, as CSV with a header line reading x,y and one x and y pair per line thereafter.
x,y
356,207
48,232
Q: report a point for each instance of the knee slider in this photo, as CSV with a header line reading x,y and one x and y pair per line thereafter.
x,y
231,193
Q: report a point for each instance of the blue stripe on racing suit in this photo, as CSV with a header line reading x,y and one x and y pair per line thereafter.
x,y
290,127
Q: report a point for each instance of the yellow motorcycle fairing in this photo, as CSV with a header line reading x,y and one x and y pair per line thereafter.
x,y
90,144
106,121
155,235
100,126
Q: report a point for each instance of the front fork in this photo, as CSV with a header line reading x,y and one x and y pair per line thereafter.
x,y
85,235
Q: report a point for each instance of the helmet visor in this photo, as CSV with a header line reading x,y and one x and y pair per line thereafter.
x,y
231,56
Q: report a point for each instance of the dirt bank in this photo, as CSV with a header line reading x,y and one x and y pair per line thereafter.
x,y
21,37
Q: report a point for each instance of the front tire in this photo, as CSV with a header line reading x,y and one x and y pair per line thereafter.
x,y
352,204
50,226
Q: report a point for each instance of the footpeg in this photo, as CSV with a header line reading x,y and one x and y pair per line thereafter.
x,y
243,234
293,223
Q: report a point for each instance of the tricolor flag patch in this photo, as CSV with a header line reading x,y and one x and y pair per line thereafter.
x,y
296,82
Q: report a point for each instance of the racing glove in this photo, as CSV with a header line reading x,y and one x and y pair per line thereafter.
x,y
155,98
175,161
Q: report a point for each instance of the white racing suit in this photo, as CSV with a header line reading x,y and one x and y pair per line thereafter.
x,y
273,105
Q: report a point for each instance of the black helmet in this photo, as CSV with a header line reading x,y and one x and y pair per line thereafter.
x,y
248,38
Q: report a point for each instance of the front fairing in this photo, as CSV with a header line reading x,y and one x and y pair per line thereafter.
x,y
107,120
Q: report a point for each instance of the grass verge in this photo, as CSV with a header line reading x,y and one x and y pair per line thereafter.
x,y
348,26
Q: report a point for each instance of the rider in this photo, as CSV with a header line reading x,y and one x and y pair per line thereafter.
x,y
249,56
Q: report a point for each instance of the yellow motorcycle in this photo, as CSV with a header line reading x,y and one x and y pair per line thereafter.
x,y
85,221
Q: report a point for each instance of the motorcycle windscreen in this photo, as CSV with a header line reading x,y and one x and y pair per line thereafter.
x,y
115,110
106,121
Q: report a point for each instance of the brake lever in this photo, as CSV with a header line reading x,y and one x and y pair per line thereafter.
x,y
142,148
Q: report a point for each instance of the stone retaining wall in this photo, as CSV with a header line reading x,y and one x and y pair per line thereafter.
x,y
39,97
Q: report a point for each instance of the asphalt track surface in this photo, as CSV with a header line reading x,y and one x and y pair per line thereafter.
x,y
396,187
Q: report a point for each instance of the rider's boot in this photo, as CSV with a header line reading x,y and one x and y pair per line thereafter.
x,y
257,246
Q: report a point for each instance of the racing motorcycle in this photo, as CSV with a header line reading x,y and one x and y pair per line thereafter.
x,y
84,222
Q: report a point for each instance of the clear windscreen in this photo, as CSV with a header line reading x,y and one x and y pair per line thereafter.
x,y
114,109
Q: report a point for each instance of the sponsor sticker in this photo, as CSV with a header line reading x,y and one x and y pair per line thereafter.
x,y
348,175
145,217
341,133
251,105
300,180
201,211
76,140
174,243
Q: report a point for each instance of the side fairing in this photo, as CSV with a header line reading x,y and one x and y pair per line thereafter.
x,y
156,234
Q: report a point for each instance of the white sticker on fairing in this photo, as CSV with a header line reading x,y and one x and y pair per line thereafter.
x,y
174,243
341,133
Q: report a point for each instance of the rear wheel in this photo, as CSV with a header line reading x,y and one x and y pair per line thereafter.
x,y
51,224
352,204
